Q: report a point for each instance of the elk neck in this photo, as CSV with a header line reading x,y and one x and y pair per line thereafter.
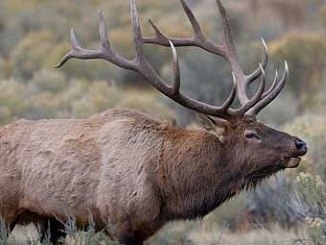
x,y
196,173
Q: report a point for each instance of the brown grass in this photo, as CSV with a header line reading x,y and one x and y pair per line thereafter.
x,y
200,233
194,233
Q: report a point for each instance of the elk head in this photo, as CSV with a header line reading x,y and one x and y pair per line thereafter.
x,y
252,146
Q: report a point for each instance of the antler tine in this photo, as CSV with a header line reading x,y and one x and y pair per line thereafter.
x,y
228,102
256,98
198,39
76,50
103,33
176,68
272,87
105,53
138,38
228,41
273,93
253,76
160,38
231,56
142,65
193,21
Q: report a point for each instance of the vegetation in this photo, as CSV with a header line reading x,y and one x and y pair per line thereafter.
x,y
288,208
307,75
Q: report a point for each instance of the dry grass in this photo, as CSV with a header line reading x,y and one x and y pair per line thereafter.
x,y
260,237
22,235
178,233
199,233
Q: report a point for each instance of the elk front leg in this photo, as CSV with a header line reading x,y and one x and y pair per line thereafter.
x,y
125,235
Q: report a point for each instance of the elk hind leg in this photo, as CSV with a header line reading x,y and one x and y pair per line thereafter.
x,y
54,229
27,226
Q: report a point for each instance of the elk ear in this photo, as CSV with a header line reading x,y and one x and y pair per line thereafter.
x,y
206,121
212,124
215,126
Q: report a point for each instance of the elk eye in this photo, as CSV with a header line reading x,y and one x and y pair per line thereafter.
x,y
250,134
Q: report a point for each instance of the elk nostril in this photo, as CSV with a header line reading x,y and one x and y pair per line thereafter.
x,y
300,145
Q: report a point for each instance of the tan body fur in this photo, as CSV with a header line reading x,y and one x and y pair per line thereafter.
x,y
128,170
113,166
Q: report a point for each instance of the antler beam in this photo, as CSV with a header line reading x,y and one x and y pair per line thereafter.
x,y
227,50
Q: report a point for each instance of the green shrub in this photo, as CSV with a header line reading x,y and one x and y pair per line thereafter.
x,y
3,232
311,193
306,55
31,53
2,68
312,129
12,100
49,95
49,80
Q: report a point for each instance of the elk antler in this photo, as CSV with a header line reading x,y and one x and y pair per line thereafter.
x,y
227,50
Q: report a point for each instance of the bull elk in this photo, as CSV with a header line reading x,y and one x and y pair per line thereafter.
x,y
138,173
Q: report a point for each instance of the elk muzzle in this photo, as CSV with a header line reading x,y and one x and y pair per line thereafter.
x,y
301,147
300,150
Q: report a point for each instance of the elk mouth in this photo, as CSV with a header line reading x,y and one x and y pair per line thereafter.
x,y
291,162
